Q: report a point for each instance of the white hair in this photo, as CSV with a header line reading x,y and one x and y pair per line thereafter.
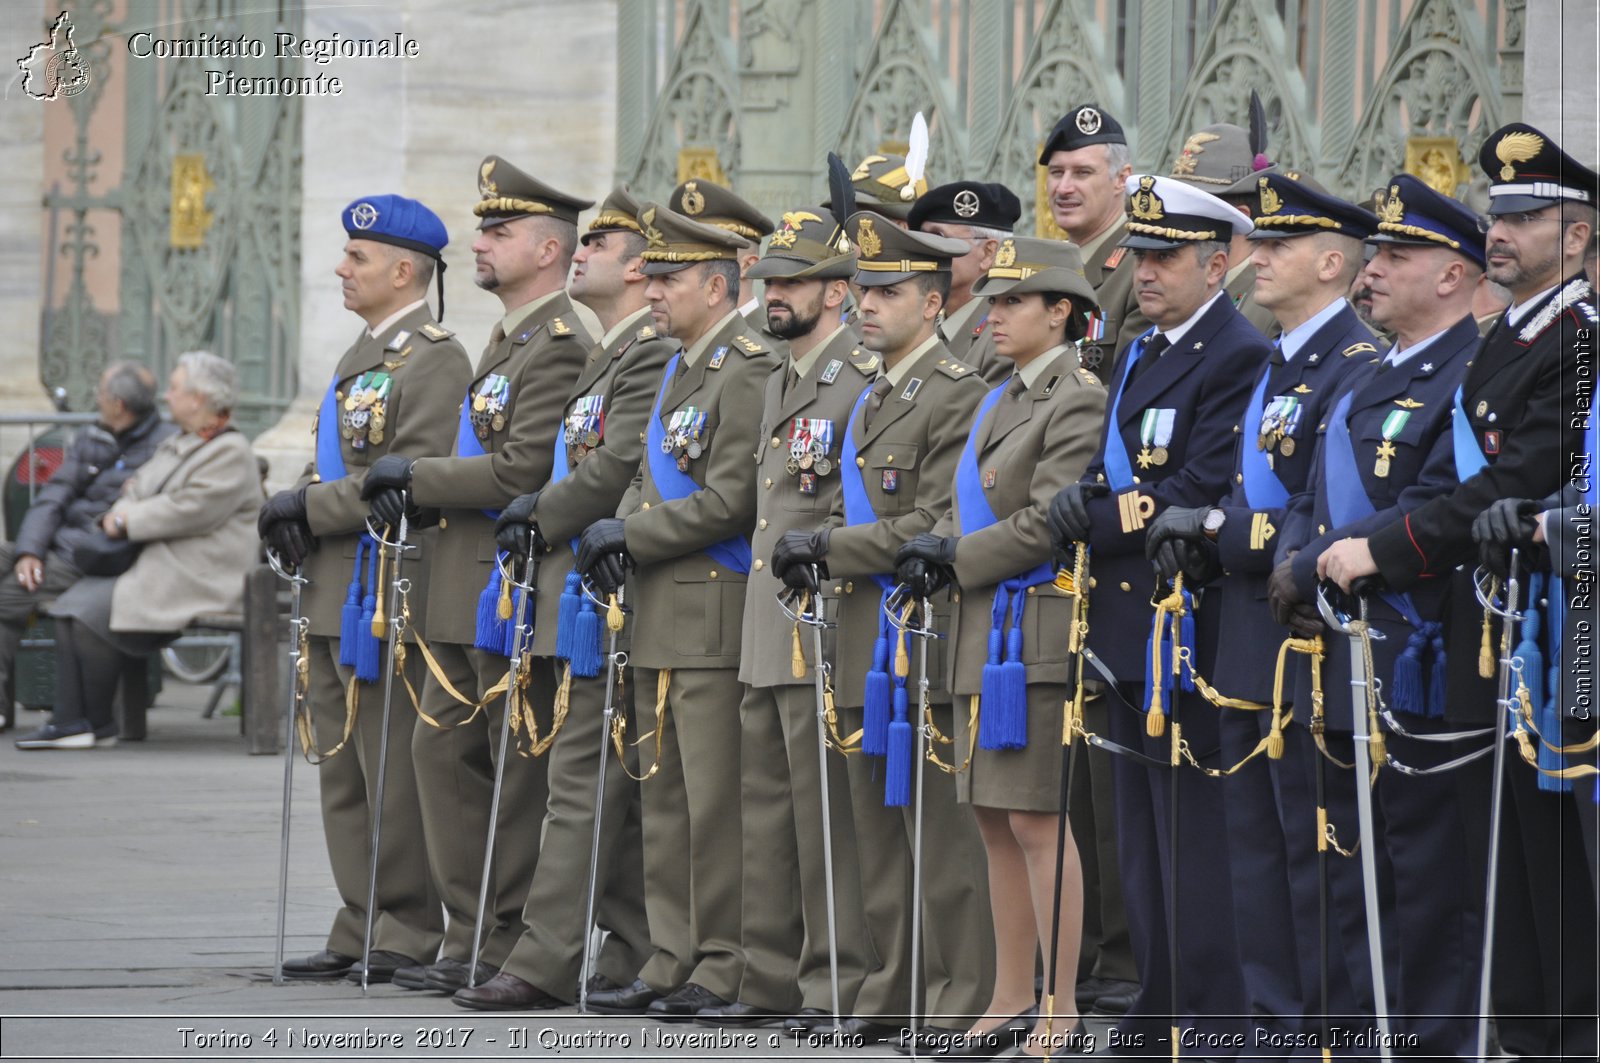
x,y
214,379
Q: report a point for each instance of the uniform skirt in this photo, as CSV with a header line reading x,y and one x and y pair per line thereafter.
x,y
1023,780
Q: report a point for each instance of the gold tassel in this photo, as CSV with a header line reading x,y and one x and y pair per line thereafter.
x,y
1177,743
1322,830
1376,744
902,658
380,623
1275,736
614,615
797,656
505,599
1155,722
1485,644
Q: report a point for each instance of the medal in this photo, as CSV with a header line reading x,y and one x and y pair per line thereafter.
x,y
375,436
1158,456
1286,447
822,467
792,466
683,463
693,450
1155,432
1385,452
806,460
591,439
498,422
808,484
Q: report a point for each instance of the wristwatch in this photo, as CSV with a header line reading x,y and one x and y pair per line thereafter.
x,y
1213,522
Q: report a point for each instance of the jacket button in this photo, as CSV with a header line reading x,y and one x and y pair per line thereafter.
x,y
756,566
1093,583
762,523
767,483
849,588
443,523
713,574
775,440
644,505
1322,529
1125,585
1032,589
955,596
1235,429
888,457
1238,477
837,589
861,463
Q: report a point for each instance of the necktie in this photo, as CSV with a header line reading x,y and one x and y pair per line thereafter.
x,y
880,390
1153,349
1015,388
790,379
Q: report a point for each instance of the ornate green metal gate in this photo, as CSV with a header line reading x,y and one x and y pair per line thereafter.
x,y
208,206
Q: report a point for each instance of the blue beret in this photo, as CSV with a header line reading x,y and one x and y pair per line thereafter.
x,y
396,220
1413,213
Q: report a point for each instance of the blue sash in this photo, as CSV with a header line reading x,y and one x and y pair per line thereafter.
x,y
1348,503
330,451
1262,488
577,623
733,553
467,443
1119,472
1469,458
1003,697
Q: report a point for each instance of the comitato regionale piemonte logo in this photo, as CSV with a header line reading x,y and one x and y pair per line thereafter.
x,y
55,68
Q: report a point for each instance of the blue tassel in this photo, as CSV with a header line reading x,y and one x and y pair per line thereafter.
x,y
1438,677
1407,694
366,643
1013,723
897,773
1186,637
990,698
509,627
567,616
489,635
586,658
875,710
350,614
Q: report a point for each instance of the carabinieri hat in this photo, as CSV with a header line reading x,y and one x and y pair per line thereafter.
x,y
1412,213
618,213
981,203
892,255
675,242
1083,125
810,244
1163,212
1290,205
1528,171
710,203
402,222
506,193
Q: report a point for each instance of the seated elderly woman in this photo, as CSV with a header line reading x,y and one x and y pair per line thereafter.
x,y
191,511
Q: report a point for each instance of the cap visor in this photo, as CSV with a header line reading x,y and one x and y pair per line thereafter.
x,y
783,267
870,279
652,269
1519,204
1142,242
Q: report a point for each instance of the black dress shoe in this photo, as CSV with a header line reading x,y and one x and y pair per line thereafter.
x,y
1117,997
324,964
868,1031
410,978
381,967
624,1000
738,1014
506,992
684,1003
449,975
807,1019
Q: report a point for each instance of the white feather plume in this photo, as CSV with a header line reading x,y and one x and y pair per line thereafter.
x,y
916,156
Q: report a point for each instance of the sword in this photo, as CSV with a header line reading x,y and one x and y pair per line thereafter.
x,y
616,661
1504,703
298,662
819,671
924,634
1360,633
396,588
519,637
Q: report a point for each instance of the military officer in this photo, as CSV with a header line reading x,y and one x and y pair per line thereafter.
x,y
1519,405
982,214
392,389
597,453
1383,453
505,444
1220,159
1176,393
1031,436
1308,248
710,203
685,524
784,924
896,467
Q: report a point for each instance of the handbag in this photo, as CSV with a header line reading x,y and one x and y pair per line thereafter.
x,y
101,555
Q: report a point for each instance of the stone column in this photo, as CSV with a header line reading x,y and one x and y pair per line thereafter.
x,y
1559,93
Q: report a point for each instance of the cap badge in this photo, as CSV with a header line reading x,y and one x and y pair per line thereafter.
x,y
1514,148
363,216
694,201
1195,145
869,240
1006,257
486,185
792,222
1271,203
658,241
1088,121
1391,211
1146,204
864,171
966,203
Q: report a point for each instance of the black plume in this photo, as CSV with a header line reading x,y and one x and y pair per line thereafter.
x,y
841,190
1258,125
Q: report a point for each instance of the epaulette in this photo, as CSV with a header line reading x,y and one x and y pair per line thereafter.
x,y
954,368
647,333
559,327
866,362
750,346
1088,377
1357,348
436,333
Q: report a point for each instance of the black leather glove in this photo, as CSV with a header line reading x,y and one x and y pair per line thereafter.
x,y
1176,542
603,554
390,471
1507,524
796,552
1069,511
388,506
291,540
1288,608
926,564
515,532
285,505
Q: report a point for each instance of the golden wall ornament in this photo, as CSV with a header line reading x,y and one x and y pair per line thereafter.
x,y
701,164
190,218
1436,162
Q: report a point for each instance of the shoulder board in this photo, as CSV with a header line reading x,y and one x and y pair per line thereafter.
x,y
436,333
1087,376
954,368
559,327
647,333
751,346
866,362
1359,348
